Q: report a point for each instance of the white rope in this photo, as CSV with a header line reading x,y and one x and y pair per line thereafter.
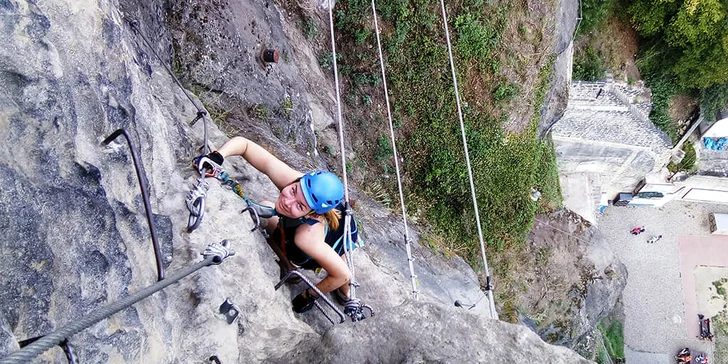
x,y
413,277
491,304
347,218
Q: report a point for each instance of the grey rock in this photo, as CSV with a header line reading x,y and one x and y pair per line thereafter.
x,y
76,237
417,332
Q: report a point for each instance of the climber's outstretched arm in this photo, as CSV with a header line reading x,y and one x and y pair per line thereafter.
x,y
279,172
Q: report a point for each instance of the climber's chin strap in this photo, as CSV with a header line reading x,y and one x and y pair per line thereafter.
x,y
258,211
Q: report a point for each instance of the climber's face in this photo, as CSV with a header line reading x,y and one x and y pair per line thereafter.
x,y
291,202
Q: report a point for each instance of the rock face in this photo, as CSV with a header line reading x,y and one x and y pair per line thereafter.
x,y
75,234
576,284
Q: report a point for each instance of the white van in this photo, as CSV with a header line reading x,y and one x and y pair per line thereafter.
x,y
718,223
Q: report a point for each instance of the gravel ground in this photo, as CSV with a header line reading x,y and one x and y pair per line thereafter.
x,y
655,326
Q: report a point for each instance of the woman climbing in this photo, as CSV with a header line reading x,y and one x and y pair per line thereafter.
x,y
308,224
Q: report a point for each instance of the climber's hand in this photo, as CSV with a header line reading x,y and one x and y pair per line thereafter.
x,y
209,162
304,301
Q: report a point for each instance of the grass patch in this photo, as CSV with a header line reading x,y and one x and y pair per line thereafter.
x,y
588,65
713,99
309,27
688,162
287,107
505,164
719,325
613,336
719,287
259,111
593,14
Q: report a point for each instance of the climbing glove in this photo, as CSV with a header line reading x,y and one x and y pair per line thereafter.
x,y
204,160
304,301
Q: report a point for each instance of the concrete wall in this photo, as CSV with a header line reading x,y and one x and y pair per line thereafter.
x,y
694,188
621,166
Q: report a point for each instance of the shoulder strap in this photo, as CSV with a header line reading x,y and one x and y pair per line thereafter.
x,y
287,222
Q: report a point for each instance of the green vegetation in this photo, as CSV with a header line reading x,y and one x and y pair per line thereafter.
x,y
287,107
309,28
593,14
259,111
663,90
685,47
613,335
506,163
686,40
719,287
688,161
713,98
478,38
385,150
588,65
719,324
505,93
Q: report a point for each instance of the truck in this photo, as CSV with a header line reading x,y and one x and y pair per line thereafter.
x,y
718,223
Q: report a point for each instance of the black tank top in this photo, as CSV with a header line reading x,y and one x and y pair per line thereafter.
x,y
286,231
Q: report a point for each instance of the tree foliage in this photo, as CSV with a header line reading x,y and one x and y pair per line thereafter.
x,y
593,14
713,98
689,39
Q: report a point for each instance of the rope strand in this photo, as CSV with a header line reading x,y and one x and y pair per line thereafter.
x,y
407,244
491,304
347,219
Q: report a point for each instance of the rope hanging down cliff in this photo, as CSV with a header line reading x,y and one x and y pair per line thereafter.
x,y
410,260
489,287
353,307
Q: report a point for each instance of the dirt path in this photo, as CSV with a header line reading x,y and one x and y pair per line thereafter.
x,y
656,321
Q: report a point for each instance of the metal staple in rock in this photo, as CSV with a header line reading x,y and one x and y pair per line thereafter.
x,y
145,198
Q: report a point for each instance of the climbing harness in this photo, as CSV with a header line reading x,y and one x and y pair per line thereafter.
x,y
488,292
214,254
352,309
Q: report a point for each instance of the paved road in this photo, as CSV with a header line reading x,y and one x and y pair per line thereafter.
x,y
656,324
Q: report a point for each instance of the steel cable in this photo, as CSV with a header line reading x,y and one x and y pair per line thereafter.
x,y
491,303
407,244
26,354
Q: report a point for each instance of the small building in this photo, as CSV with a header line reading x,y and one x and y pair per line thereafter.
x,y
608,151
605,144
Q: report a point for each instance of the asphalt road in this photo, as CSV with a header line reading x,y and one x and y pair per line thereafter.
x,y
656,325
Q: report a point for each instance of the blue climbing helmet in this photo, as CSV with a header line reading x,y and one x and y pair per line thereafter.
x,y
322,190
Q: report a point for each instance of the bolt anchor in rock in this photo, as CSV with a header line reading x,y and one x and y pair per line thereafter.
x,y
270,56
